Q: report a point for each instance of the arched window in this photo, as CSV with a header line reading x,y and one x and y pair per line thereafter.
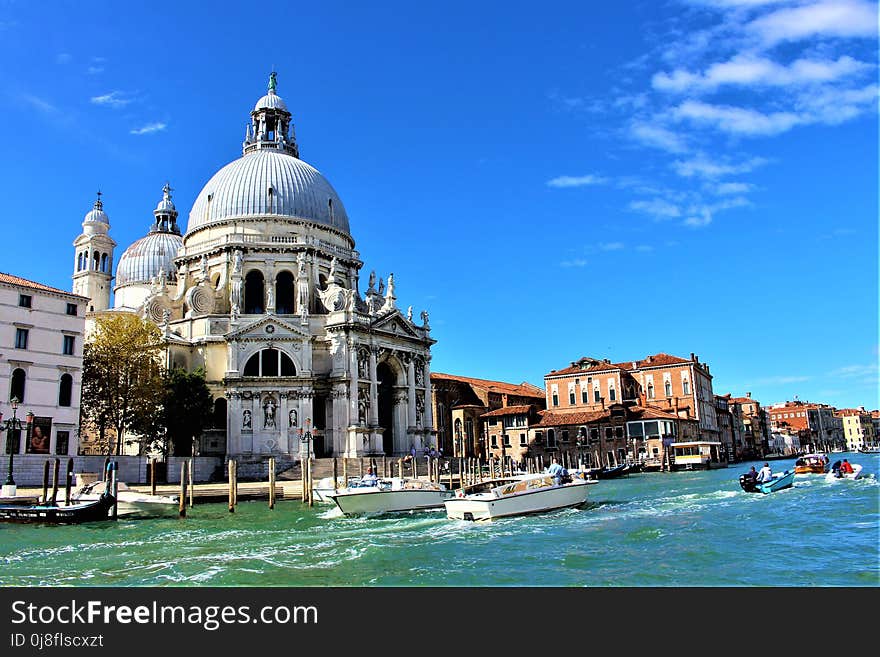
x,y
253,293
16,386
284,293
218,417
551,438
65,390
104,262
668,388
96,261
650,390
269,362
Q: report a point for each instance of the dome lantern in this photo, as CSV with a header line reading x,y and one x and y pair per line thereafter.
x,y
166,214
270,124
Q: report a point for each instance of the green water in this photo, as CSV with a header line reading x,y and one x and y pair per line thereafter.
x,y
651,529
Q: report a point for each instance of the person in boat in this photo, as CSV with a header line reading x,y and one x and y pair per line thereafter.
x,y
846,467
556,471
835,469
752,475
369,479
765,475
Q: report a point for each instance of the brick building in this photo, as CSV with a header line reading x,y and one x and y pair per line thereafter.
x,y
756,427
817,426
458,403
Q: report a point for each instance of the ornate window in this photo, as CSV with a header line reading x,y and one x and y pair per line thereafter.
x,y
269,362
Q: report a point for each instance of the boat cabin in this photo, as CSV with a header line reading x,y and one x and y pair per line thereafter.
x,y
697,455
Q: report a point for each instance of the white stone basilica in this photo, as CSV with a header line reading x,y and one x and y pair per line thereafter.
x,y
262,292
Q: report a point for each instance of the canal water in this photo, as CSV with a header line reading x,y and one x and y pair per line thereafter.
x,y
648,529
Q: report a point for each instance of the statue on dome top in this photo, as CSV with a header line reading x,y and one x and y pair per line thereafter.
x,y
273,82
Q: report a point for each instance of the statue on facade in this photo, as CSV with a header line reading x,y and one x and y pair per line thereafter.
x,y
273,82
203,266
409,313
291,418
372,282
381,286
269,413
246,419
363,404
270,299
237,259
424,317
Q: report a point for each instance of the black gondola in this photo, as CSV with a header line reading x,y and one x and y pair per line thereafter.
x,y
51,514
611,473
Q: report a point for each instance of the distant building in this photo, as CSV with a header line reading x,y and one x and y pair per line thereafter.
x,y
818,427
41,352
458,402
730,425
756,428
858,428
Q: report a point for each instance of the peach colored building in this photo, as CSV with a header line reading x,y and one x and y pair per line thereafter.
x,y
858,428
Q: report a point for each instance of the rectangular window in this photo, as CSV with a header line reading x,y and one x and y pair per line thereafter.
x,y
685,387
571,398
494,440
565,435
67,347
522,439
585,396
555,399
506,440
612,395
21,338
62,440
596,395
24,300
493,421
71,310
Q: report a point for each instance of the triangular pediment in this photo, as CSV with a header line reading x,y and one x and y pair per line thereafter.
x,y
395,324
268,326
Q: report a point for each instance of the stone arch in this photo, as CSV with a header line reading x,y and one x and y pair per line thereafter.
x,y
285,292
390,375
256,351
17,385
254,293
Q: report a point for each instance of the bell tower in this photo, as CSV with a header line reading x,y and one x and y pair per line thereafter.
x,y
93,258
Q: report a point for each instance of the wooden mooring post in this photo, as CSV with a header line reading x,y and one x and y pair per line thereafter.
x,y
181,508
303,471
400,468
114,479
55,481
335,480
152,476
272,482
69,482
231,475
191,486
344,472
311,483
45,497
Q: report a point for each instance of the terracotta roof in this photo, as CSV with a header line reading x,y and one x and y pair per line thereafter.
x,y
744,400
524,389
508,410
652,413
23,282
555,419
656,360
850,411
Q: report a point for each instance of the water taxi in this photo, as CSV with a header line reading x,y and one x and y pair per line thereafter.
x,y
811,464
516,496
390,495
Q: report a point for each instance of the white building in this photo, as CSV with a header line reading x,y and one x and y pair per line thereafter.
x,y
262,291
41,351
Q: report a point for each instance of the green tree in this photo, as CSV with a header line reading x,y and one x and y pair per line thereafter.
x,y
121,386
187,406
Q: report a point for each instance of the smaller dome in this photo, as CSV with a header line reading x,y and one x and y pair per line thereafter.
x,y
97,214
165,205
270,101
143,260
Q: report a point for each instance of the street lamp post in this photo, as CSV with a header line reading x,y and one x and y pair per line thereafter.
x,y
11,426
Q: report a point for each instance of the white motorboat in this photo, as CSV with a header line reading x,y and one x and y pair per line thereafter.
x,y
391,495
323,488
516,496
130,503
837,475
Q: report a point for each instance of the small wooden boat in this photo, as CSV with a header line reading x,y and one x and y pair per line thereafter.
x,y
811,464
779,481
59,515
612,473
516,496
870,450
391,495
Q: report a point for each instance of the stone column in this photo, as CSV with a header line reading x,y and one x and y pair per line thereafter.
x,y
410,389
429,410
374,388
282,421
232,359
353,382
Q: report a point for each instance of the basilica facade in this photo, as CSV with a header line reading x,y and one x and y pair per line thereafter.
x,y
262,291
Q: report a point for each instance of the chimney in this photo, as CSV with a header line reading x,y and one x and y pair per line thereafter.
x,y
634,365
749,395
650,359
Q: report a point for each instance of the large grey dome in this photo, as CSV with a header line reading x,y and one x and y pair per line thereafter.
x,y
268,182
145,258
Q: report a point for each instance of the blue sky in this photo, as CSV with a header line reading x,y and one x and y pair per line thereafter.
x,y
549,180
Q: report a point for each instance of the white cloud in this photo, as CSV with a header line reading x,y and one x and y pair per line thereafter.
x,y
576,181
114,99
578,262
93,70
63,58
611,246
658,207
657,136
149,128
702,214
748,69
829,18
732,188
39,104
737,120
706,168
